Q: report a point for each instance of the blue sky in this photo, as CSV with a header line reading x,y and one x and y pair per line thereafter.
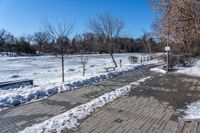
x,y
22,17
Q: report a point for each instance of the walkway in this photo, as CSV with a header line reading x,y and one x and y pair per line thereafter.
x,y
152,107
17,118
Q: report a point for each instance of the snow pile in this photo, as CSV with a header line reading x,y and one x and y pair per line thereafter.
x,y
70,118
24,94
96,79
16,96
194,71
192,111
158,70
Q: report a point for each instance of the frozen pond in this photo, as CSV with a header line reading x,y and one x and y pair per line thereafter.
x,y
47,69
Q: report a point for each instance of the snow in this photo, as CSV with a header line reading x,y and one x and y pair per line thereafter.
x,y
70,118
192,111
39,68
158,70
44,67
193,71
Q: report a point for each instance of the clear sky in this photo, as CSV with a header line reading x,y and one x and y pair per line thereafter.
x,y
21,17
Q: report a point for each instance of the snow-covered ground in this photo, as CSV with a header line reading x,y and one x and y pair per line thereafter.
x,y
41,68
193,71
45,71
70,118
192,111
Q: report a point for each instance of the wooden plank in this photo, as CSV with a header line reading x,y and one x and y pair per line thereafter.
x,y
186,128
16,82
180,126
138,119
198,127
171,125
194,126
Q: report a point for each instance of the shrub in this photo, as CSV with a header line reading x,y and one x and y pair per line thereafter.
x,y
133,59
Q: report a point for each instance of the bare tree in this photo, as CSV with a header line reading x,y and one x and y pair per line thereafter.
x,y
7,41
145,39
107,27
179,21
3,36
41,39
59,33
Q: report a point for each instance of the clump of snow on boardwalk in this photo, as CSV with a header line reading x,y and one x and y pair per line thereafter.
x,y
193,71
70,118
192,111
158,70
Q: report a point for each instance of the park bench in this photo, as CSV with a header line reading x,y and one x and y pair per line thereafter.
x,y
16,83
109,68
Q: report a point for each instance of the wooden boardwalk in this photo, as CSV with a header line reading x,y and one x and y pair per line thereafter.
x,y
153,107
131,115
189,126
15,119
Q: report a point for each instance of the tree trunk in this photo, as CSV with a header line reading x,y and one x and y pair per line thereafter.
x,y
111,54
149,47
186,47
145,47
83,71
62,58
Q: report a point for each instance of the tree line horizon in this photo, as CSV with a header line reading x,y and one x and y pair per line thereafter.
x,y
42,42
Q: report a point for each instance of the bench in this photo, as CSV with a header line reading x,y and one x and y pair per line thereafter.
x,y
16,83
109,68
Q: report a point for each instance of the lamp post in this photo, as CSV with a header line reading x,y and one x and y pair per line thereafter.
x,y
167,48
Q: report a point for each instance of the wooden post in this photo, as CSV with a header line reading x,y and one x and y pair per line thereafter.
x,y
120,63
62,58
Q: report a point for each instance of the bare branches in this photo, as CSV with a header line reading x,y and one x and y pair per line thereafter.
x,y
57,31
59,34
178,20
107,26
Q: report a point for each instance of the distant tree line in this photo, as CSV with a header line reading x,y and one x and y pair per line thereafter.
x,y
88,43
